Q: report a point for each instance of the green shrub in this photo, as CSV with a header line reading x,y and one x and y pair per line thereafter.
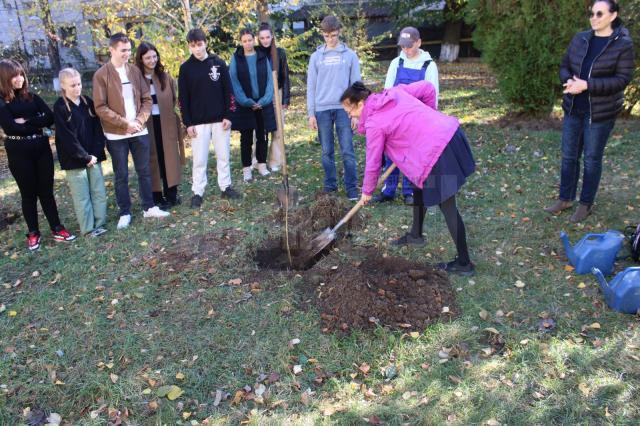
x,y
523,41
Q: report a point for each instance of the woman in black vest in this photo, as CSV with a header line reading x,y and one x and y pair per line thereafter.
x,y
250,72
597,67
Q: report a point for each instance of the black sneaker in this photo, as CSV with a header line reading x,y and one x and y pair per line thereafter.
x,y
408,200
381,198
173,203
196,201
408,239
454,267
230,194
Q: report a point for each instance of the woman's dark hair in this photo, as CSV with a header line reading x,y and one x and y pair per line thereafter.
x,y
158,70
265,27
10,68
246,31
356,93
613,7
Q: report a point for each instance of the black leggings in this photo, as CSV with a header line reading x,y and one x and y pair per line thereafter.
x,y
246,142
31,164
454,223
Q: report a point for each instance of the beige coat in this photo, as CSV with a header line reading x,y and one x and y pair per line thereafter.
x,y
172,136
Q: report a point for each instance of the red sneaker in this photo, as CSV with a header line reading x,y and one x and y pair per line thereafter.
x,y
63,235
33,240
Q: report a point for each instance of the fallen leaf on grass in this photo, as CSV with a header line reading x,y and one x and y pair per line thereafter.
x,y
483,315
172,392
519,284
364,368
584,389
293,342
95,413
235,281
297,369
179,376
113,377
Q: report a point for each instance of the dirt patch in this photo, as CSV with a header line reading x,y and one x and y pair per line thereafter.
x,y
306,223
196,251
323,212
7,217
361,292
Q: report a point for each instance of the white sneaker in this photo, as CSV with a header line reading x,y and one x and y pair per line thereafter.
x,y
247,176
124,221
262,169
254,163
155,212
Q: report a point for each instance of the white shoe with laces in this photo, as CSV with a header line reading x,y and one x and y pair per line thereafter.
x,y
247,176
124,221
155,212
262,169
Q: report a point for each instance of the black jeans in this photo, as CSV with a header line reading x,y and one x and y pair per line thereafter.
x,y
246,142
31,164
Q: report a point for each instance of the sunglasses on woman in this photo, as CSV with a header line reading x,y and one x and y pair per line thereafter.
x,y
598,14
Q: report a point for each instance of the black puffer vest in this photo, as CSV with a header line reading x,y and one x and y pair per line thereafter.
x,y
610,73
243,118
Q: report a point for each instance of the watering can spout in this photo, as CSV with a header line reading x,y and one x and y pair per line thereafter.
x,y
603,282
567,247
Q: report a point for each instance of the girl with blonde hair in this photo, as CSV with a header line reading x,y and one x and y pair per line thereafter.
x,y
80,143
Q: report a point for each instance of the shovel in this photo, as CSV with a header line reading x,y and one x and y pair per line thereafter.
x,y
328,235
287,195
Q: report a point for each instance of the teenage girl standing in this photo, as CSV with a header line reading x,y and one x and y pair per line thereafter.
x,y
23,116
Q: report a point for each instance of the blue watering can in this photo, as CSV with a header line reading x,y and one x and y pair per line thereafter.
x,y
623,292
593,251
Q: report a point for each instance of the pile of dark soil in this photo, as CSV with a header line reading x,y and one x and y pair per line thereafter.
x,y
391,292
7,217
305,223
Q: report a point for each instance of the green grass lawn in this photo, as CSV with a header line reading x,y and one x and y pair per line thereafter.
x,y
100,325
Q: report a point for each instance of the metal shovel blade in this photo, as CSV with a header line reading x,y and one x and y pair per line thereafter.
x,y
320,242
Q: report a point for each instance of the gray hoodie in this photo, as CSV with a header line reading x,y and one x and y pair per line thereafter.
x,y
330,73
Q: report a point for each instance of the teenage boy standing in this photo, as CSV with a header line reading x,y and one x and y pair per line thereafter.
x,y
204,92
123,103
333,67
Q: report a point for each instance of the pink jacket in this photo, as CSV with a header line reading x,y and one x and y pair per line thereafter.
x,y
402,122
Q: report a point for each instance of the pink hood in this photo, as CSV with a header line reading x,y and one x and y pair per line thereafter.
x,y
402,123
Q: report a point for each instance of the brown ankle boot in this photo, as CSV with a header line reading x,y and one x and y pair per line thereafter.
x,y
558,206
581,213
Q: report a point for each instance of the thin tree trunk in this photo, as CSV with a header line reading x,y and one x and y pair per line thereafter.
x,y
451,41
52,37
186,15
263,10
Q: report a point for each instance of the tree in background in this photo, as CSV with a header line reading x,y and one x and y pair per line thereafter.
x,y
418,12
523,41
165,23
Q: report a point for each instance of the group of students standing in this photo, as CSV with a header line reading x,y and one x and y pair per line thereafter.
x,y
402,125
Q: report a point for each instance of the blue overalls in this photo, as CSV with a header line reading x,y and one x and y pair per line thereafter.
x,y
403,76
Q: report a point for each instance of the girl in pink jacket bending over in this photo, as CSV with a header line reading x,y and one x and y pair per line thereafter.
x,y
428,147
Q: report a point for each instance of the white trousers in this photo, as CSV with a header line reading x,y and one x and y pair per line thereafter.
x,y
200,152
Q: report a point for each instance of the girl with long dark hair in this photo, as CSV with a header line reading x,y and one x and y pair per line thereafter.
x,y
23,116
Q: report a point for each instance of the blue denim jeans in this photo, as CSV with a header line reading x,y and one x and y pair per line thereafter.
x,y
580,136
391,183
119,150
326,121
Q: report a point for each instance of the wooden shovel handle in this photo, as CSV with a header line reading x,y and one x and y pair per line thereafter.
x,y
359,204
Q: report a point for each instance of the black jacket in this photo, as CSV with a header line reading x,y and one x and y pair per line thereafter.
x,y
283,73
244,118
204,91
79,134
610,73
35,111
